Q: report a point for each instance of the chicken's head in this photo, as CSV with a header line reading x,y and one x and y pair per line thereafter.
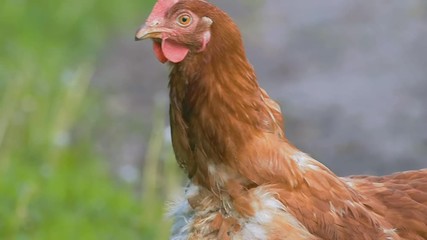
x,y
176,30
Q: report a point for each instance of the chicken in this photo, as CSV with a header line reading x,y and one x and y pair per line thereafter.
x,y
246,180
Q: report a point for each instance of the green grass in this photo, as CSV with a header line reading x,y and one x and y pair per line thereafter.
x,y
53,184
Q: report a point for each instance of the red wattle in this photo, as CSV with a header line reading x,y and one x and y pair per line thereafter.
x,y
157,47
173,51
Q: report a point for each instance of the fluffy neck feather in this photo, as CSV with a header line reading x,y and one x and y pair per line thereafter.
x,y
220,117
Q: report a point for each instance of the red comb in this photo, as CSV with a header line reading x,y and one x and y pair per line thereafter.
x,y
160,9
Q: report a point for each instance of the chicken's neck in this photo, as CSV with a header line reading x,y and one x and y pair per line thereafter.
x,y
224,124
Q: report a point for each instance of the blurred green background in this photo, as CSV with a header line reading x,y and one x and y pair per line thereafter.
x,y
54,184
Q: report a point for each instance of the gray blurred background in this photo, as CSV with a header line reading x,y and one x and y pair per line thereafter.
x,y
351,78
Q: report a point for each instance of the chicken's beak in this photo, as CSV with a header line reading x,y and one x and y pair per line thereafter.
x,y
149,32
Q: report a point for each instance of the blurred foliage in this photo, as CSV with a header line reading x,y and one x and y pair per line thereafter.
x,y
53,184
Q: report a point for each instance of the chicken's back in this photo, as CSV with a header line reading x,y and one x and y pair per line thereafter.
x,y
401,198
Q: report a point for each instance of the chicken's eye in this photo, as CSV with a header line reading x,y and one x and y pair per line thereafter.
x,y
184,20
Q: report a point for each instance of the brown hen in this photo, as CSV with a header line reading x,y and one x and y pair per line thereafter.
x,y
246,180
